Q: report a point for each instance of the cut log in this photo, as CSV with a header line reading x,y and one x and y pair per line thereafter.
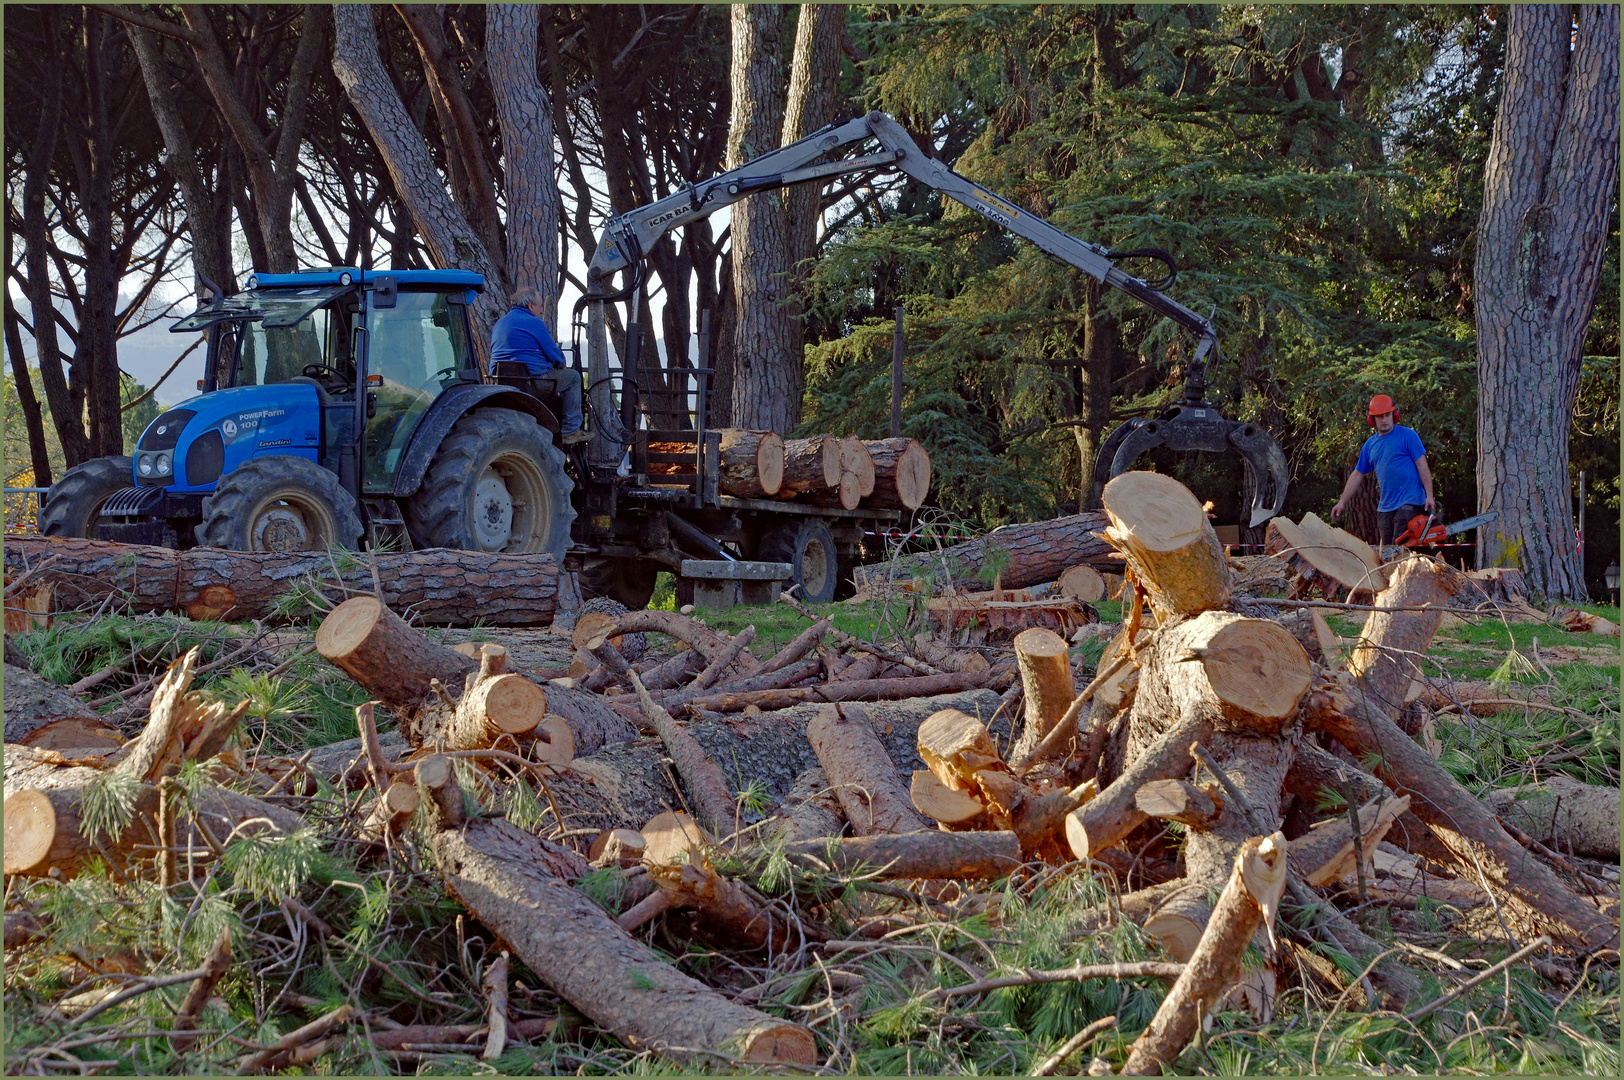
x,y
440,586
1390,651
46,833
1248,901
988,617
671,838
927,854
1082,582
390,659
950,808
393,810
1319,778
32,702
617,847
437,777
1179,800
496,705
901,474
1326,853
1037,552
861,772
727,911
856,459
707,787
1114,813
846,494
810,464
752,463
1331,553
810,811
1169,544
495,870
1469,829
1044,660
70,733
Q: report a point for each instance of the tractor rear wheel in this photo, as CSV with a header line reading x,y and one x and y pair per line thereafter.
x,y
280,503
72,506
809,547
629,581
497,483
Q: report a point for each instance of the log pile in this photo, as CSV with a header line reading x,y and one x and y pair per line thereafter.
x,y
886,474
1239,788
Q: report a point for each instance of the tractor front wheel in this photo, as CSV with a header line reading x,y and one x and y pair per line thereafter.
x,y
73,505
280,503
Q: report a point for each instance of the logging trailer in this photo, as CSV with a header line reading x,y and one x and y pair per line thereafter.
x,y
343,406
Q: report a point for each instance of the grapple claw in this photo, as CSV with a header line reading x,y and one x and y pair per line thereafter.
x,y
1202,427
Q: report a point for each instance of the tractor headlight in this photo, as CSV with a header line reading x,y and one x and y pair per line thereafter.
x,y
163,466
143,464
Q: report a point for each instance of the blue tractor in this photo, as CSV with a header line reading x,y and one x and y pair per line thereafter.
x,y
339,406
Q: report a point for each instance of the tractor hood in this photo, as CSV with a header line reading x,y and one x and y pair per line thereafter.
x,y
188,448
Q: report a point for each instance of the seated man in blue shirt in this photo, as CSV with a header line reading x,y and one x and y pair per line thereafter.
x,y
1398,459
522,347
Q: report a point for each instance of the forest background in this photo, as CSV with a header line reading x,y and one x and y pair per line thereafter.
x,y
1317,172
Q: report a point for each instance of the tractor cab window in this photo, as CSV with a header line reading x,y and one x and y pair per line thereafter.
x,y
318,346
414,350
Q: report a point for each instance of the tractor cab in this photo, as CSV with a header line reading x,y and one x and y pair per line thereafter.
x,y
338,404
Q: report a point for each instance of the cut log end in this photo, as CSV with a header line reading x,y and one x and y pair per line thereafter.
x,y
1258,667
1082,582
347,626
30,831
941,803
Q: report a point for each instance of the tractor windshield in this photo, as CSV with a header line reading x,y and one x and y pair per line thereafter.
x,y
276,334
416,349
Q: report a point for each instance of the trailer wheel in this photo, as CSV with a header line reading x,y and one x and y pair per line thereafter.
x,y
280,503
497,483
628,581
72,505
809,547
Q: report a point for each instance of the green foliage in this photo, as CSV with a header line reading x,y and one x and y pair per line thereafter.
x,y
107,804
271,866
75,646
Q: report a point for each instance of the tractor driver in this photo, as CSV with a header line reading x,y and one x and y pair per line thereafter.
x,y
1398,459
523,351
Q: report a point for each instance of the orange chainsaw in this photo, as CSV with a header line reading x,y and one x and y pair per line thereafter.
x,y
1421,532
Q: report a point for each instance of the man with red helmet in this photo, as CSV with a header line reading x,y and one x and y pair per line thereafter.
x,y
1395,454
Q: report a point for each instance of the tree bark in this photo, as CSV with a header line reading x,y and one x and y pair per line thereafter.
x,y
620,984
1044,660
924,854
438,585
451,242
1549,185
1038,552
768,376
1566,814
811,464
864,690
389,658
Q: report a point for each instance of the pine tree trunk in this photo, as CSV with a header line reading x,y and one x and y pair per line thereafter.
x,y
525,112
445,231
1548,188
767,378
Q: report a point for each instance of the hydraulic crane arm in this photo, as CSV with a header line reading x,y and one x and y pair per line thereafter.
x,y
1192,425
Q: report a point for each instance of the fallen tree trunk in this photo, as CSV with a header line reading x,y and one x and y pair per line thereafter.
x,y
439,586
705,783
1394,643
1565,814
861,773
928,853
497,872
1037,552
32,702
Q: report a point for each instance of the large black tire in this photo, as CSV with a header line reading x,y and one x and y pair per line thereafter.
x,y
628,581
809,547
497,483
72,505
280,503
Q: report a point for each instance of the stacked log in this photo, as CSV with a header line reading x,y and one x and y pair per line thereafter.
x,y
752,462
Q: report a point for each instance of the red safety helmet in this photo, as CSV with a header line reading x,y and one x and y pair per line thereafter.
x,y
1379,404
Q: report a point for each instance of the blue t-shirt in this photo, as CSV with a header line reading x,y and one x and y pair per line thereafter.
x,y
520,338
1392,458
